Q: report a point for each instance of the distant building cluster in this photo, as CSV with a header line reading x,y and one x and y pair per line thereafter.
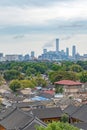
x,y
16,57
57,55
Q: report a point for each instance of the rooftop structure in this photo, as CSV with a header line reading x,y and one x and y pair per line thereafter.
x,y
68,82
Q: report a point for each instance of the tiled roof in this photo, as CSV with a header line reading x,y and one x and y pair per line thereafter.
x,y
67,101
35,122
82,125
45,95
28,104
68,82
70,109
6,112
49,92
54,112
16,119
81,113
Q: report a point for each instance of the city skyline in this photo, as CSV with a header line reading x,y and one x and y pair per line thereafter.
x,y
74,51
32,25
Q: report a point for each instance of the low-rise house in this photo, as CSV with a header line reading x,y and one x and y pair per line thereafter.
x,y
16,119
70,87
46,95
81,126
70,109
48,114
66,101
80,115
29,105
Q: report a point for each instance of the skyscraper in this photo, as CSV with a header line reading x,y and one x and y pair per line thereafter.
x,y
44,51
32,54
57,45
67,52
73,51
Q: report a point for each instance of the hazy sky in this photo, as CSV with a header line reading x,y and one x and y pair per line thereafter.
x,y
31,25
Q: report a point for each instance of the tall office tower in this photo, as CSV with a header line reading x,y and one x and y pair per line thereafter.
x,y
44,51
57,45
32,54
73,51
1,54
26,57
67,52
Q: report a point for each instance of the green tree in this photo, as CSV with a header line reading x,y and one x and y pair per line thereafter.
x,y
62,75
57,126
59,89
27,84
83,77
2,81
11,74
30,71
83,64
40,67
56,67
40,81
76,68
15,85
65,118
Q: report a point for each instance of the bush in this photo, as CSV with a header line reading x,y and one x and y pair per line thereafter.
x,y
15,85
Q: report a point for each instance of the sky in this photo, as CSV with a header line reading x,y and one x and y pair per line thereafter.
x,y
34,25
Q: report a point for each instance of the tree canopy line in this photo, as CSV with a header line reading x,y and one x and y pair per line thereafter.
x,y
57,126
31,74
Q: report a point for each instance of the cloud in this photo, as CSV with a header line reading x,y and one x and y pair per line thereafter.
x,y
36,3
24,21
49,44
53,26
66,38
30,15
18,37
59,16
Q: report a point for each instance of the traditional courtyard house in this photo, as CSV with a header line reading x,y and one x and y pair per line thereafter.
x,y
80,115
77,116
26,106
81,126
48,114
83,93
70,87
16,119
69,110
67,101
46,94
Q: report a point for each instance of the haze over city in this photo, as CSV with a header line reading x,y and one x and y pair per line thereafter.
x,y
32,25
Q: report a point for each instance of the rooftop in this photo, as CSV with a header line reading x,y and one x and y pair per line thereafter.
x,y
68,82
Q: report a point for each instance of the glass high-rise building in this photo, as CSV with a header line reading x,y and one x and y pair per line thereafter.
x,y
44,51
73,51
67,52
57,45
32,54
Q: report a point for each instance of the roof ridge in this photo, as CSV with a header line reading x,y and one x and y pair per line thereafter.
x,y
29,123
78,108
26,124
28,114
9,113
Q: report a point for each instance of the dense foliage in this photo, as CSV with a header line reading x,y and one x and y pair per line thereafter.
x,y
57,126
40,73
15,85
